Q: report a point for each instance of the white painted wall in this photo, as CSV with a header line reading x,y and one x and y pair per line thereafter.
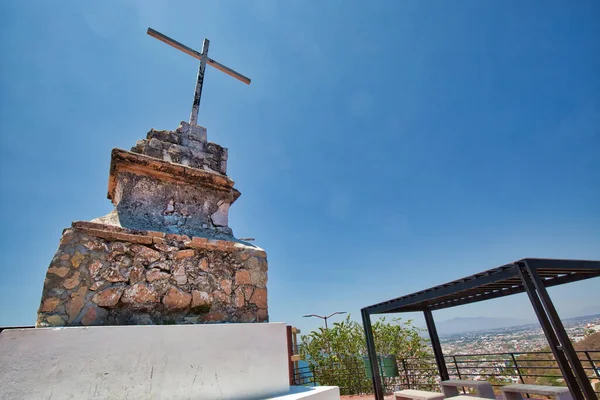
x,y
219,361
312,393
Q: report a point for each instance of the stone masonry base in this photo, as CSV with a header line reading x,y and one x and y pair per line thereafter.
x,y
107,275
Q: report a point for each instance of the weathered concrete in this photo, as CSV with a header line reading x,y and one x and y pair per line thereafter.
x,y
225,361
151,194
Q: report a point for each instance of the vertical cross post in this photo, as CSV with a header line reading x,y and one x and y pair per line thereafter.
x,y
199,82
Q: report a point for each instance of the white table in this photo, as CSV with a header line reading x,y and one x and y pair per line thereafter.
x,y
417,395
515,392
482,388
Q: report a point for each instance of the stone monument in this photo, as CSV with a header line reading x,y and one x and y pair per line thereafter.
x,y
166,254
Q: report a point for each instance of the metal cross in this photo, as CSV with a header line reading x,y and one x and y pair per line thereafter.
x,y
204,59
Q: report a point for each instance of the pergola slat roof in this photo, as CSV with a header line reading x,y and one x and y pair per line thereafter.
x,y
493,283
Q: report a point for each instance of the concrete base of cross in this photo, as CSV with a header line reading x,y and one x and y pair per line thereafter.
x,y
312,393
221,361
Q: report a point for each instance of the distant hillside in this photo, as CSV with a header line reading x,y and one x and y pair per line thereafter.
x,y
551,371
473,324
591,342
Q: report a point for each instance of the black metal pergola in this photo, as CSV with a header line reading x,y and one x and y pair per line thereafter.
x,y
530,275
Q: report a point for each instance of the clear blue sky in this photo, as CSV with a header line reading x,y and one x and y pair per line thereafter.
x,y
382,148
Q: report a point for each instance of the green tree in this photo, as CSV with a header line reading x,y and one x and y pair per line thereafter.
x,y
335,354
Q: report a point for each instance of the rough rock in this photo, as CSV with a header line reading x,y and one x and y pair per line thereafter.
x,y
95,267
240,301
94,316
60,271
72,282
163,247
97,285
137,274
176,298
95,245
262,315
140,293
226,286
248,291
179,274
203,264
200,298
156,274
223,298
248,317
164,265
50,304
118,248
242,277
55,320
215,316
146,254
108,297
75,305
76,259
259,297
258,278
185,254
113,275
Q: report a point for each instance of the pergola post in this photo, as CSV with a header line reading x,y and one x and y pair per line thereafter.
x,y
553,341
561,333
437,347
372,353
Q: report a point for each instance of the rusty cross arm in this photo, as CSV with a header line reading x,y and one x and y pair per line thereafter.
x,y
198,55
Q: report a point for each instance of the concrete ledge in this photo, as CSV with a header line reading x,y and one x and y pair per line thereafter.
x,y
225,361
113,232
127,161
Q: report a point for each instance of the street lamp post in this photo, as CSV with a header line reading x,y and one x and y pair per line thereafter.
x,y
325,317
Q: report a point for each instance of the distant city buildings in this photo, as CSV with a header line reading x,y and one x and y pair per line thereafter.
x,y
514,339
497,354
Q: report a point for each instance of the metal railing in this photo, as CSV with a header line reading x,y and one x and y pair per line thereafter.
x,y
350,380
499,369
